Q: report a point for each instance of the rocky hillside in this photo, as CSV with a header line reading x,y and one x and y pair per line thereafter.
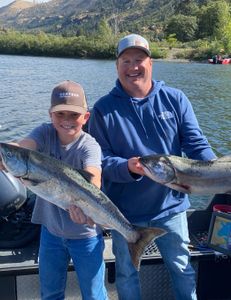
x,y
74,16
15,6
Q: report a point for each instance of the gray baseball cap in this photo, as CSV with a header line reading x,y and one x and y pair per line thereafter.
x,y
68,95
133,41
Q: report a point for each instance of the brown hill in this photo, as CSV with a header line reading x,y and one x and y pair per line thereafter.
x,y
77,16
18,5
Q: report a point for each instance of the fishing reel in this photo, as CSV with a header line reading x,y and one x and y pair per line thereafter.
x,y
13,194
16,208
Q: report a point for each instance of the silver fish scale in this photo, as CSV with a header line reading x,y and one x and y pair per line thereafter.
x,y
57,183
64,186
189,176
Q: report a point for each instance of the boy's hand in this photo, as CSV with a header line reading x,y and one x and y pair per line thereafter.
x,y
79,217
1,164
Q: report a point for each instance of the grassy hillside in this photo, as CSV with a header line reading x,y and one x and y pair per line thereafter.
x,y
199,27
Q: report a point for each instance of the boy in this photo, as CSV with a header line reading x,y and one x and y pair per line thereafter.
x,y
61,237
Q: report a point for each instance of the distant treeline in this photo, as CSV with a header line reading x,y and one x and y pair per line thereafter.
x,y
102,43
200,28
42,44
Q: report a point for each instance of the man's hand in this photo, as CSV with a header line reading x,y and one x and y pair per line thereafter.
x,y
79,217
135,166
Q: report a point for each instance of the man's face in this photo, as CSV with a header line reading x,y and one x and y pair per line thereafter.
x,y
134,68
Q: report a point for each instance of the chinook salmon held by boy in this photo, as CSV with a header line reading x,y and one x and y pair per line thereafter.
x,y
189,176
58,183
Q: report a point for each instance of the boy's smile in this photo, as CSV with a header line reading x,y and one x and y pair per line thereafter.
x,y
68,124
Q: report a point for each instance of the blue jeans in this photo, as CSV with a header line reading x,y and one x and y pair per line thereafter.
x,y
87,257
173,247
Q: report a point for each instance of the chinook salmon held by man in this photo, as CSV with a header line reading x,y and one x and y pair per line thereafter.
x,y
58,183
189,176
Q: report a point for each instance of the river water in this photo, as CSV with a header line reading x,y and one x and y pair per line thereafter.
x,y
26,84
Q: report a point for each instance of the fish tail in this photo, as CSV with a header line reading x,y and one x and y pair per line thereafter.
x,y
147,235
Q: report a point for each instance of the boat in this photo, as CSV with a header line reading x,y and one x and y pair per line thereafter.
x,y
223,61
19,254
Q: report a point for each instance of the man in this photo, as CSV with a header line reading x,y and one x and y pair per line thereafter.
x,y
141,116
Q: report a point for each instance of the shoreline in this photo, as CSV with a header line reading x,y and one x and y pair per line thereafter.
x,y
174,60
167,59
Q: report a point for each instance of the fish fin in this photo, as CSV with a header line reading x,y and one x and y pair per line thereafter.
x,y
29,182
147,235
86,175
105,226
225,158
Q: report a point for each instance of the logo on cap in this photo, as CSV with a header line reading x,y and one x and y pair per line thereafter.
x,y
133,41
68,96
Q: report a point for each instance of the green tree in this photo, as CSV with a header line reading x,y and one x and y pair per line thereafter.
x,y
184,27
171,40
104,32
187,8
226,39
213,18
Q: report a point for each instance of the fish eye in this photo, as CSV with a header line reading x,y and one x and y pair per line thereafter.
x,y
159,165
8,154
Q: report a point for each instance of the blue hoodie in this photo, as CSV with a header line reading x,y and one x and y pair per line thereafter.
x,y
162,123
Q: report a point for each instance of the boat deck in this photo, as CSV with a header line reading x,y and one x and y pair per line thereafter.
x,y
19,269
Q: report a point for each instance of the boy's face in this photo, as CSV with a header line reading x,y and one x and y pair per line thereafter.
x,y
68,124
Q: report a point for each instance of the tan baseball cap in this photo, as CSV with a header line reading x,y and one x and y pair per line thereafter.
x,y
68,95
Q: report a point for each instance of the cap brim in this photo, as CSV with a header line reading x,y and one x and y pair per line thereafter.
x,y
66,107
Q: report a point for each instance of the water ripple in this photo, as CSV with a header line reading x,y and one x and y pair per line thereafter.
x,y
27,82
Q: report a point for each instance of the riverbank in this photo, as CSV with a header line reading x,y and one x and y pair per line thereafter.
x,y
181,55
175,55
46,45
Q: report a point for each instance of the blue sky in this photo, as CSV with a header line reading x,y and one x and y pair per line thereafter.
x,y
6,2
